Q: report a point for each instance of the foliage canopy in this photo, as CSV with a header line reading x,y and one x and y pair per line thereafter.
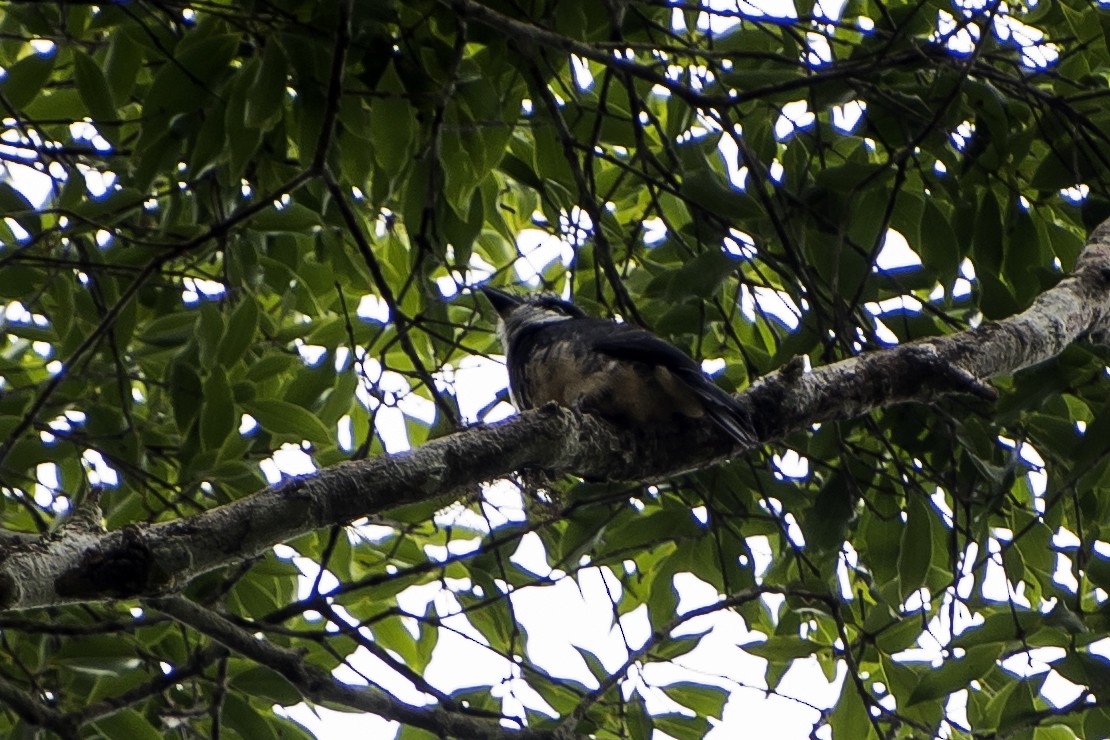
x,y
220,185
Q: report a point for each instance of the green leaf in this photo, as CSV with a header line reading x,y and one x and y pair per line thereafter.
x,y
393,124
593,663
850,717
1098,570
492,619
218,414
581,535
19,281
680,726
639,722
709,190
826,524
186,393
287,419
852,174
782,648
706,701
956,673
14,205
271,365
426,640
266,98
939,248
186,82
915,553
292,218
127,723
1007,625
700,277
242,140
239,333
761,81
211,143
265,683
156,153
121,66
676,647
93,87
1085,669
24,80
210,333
662,605
246,720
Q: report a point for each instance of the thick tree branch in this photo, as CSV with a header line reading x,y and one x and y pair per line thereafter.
x,y
1076,308
80,566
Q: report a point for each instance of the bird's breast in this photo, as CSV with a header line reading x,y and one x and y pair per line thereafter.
x,y
571,375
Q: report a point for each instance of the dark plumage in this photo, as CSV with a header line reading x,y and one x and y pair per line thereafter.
x,y
555,352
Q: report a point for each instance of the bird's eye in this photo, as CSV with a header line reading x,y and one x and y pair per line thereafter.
x,y
554,305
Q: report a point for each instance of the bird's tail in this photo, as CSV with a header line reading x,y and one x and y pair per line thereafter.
x,y
732,418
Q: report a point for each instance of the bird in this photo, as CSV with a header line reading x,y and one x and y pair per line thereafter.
x,y
556,353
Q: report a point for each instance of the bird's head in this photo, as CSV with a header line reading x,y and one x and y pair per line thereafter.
x,y
523,312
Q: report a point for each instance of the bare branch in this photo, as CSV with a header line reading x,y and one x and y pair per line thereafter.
x,y
36,713
319,686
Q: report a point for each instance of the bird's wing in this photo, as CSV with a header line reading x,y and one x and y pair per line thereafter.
x,y
637,345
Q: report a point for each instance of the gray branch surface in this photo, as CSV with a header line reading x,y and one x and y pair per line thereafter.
x,y
77,565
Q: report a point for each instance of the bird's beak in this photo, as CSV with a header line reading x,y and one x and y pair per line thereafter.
x,y
503,302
